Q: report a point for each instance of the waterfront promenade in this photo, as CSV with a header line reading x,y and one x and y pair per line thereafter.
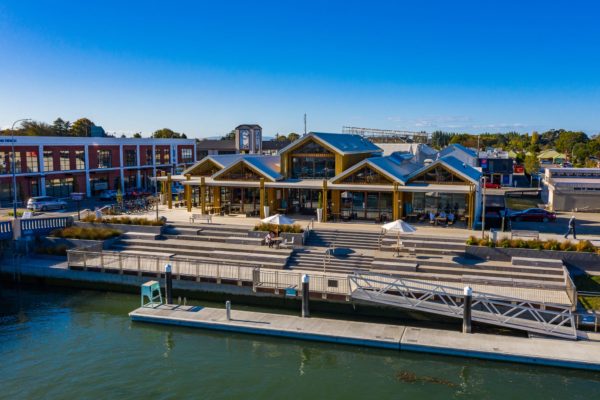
x,y
550,352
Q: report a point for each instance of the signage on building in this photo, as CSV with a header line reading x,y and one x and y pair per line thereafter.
x,y
77,196
100,185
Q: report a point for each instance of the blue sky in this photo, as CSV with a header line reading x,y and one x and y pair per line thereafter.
x,y
204,67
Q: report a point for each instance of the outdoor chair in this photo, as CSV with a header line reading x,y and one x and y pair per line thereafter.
x,y
288,244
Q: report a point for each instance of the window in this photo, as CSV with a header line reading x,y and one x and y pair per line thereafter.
x,y
166,156
48,161
366,175
186,155
79,159
313,167
130,158
59,187
157,156
31,159
65,161
4,162
104,158
18,168
149,157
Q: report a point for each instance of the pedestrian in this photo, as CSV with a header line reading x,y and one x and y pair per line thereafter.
x,y
571,228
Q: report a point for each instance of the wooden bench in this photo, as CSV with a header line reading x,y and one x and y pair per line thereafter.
x,y
201,217
525,234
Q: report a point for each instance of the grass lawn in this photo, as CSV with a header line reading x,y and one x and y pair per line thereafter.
x,y
589,283
521,203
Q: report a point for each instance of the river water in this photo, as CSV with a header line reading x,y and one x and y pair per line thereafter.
x,y
74,344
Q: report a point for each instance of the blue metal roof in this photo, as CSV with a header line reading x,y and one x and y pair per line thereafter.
x,y
461,168
448,150
267,165
347,143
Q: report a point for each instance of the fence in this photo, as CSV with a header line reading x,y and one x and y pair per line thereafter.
x,y
43,226
6,230
190,269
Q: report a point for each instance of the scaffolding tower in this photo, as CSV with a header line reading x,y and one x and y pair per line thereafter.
x,y
388,135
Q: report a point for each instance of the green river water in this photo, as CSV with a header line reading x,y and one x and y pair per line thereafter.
x,y
71,344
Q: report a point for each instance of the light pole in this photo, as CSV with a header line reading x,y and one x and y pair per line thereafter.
x,y
483,208
13,164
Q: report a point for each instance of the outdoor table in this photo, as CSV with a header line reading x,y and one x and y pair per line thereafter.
x,y
277,241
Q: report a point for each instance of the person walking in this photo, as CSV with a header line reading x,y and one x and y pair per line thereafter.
x,y
571,228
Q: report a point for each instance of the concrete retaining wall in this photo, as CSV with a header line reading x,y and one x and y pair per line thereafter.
x,y
298,241
570,258
91,245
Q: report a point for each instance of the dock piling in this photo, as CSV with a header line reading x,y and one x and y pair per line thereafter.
x,y
305,295
168,284
466,328
228,309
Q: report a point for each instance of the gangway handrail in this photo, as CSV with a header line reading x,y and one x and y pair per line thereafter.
x,y
445,300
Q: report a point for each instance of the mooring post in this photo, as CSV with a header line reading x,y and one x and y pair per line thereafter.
x,y
305,291
228,309
466,328
168,284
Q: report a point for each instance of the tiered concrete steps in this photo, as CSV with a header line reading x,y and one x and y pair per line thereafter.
x,y
462,269
233,254
425,245
312,260
211,233
344,239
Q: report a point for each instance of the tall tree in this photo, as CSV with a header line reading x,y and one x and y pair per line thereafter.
x,y
137,135
35,128
532,165
82,127
61,127
166,133
229,136
292,136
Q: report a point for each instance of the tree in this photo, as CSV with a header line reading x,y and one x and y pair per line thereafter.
x,y
532,165
229,136
61,127
82,127
292,136
166,133
567,139
137,135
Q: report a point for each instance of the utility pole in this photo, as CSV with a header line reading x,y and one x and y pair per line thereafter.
x,y
304,124
13,165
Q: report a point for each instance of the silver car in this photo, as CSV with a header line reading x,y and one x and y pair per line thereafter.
x,y
45,203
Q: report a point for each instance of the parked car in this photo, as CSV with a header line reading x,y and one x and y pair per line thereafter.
x,y
533,214
45,203
108,195
490,185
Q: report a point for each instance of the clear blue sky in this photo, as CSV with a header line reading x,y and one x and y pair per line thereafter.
x,y
202,69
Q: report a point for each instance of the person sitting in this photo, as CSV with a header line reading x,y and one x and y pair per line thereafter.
x,y
431,217
442,215
451,218
269,239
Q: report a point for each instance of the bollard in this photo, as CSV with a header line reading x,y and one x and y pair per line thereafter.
x,y
168,284
228,309
305,295
467,310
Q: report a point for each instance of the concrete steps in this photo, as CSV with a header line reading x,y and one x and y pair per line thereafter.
x,y
313,260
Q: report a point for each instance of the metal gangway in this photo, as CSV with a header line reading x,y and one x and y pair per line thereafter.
x,y
534,317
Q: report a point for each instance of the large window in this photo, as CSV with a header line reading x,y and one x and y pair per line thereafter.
x,y
436,202
32,161
48,161
59,187
149,157
130,158
438,175
313,167
79,159
4,162
166,155
157,156
367,176
18,164
240,172
186,155
65,160
104,158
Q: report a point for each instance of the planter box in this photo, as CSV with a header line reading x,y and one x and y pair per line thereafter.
x,y
156,230
570,258
92,245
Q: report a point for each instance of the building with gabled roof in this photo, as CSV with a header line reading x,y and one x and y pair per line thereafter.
x,y
347,174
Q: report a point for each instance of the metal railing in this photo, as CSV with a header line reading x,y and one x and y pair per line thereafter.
x,y
190,269
6,231
43,226
329,252
546,319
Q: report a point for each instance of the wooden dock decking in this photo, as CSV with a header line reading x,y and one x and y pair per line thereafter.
x,y
540,351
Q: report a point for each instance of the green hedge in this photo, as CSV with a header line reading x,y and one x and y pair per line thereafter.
x,y
75,232
123,220
506,243
278,228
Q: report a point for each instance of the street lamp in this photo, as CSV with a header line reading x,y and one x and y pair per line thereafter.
x,y
483,209
13,164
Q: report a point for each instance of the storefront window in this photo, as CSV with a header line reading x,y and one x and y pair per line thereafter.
x,y
48,161
79,159
436,202
104,158
32,161
60,187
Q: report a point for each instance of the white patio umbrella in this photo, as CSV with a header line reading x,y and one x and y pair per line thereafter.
x,y
278,219
399,226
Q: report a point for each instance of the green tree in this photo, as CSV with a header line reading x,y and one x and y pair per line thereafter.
x,y
532,165
166,133
61,127
82,127
137,135
292,136
35,128
567,139
229,136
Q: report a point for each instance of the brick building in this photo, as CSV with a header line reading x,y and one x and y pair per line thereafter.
x,y
57,166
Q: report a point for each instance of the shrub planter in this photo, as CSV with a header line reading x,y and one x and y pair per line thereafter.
x,y
570,258
156,230
92,245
